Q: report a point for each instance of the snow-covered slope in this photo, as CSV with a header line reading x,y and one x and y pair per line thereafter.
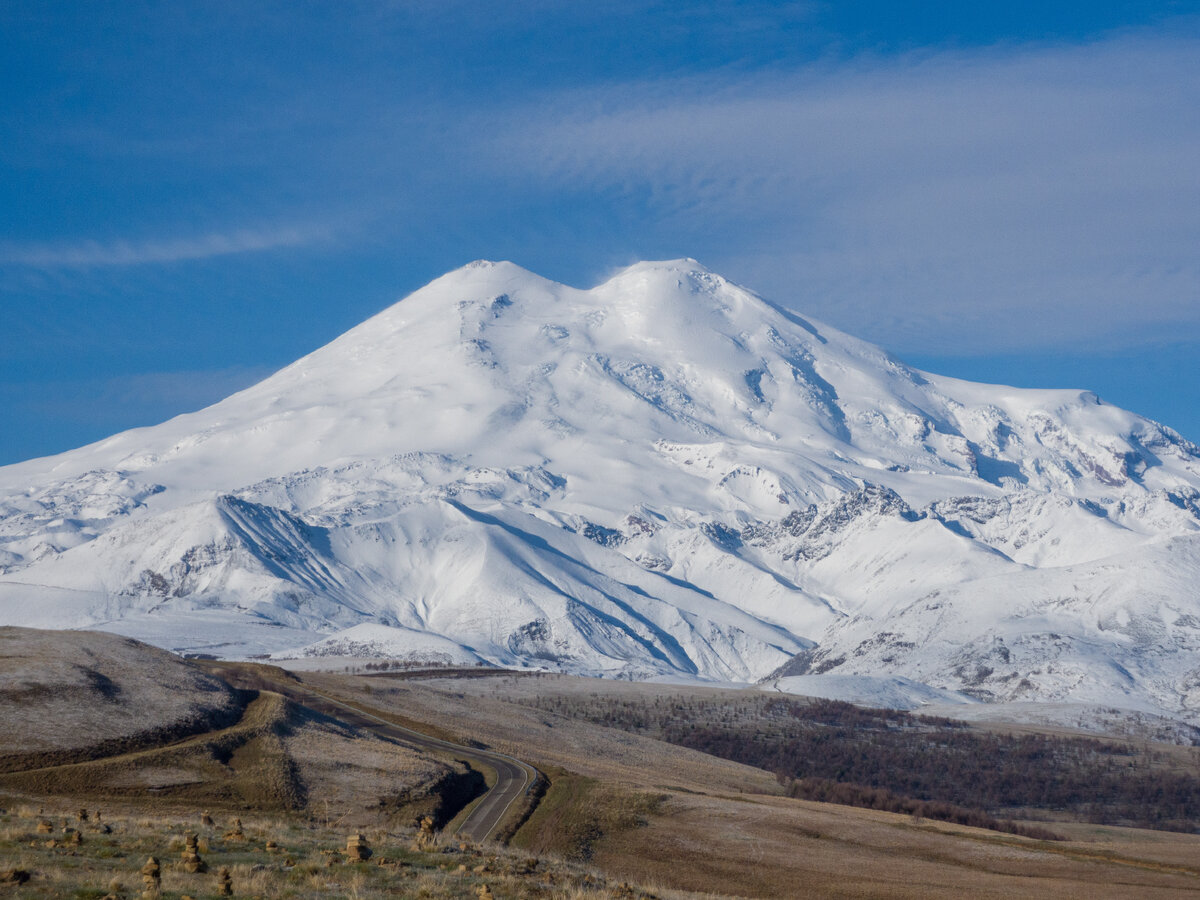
x,y
664,475
369,640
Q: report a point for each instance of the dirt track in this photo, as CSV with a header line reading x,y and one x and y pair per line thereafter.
x,y
513,778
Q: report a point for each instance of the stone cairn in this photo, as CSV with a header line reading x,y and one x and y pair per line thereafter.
x,y
206,820
357,848
224,883
426,838
190,859
98,823
483,892
151,880
45,827
235,833
82,815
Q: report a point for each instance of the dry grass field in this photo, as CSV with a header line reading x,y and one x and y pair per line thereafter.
x,y
656,813
623,813
306,859
297,778
69,695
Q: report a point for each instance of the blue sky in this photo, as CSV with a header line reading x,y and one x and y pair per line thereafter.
x,y
195,194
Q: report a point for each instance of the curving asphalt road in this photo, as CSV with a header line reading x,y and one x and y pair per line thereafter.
x,y
513,777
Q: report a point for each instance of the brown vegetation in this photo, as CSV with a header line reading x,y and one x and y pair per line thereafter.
x,y
626,804
72,696
718,827
848,794
315,868
931,767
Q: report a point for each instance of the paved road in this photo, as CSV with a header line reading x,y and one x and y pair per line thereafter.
x,y
513,781
513,777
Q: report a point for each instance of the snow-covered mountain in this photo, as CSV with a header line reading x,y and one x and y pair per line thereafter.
x,y
665,475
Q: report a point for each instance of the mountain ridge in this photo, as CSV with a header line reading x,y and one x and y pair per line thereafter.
x,y
663,476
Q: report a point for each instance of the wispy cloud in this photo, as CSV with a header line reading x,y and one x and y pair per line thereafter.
x,y
975,200
97,254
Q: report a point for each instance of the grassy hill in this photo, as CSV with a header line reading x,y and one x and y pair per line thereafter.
x,y
155,741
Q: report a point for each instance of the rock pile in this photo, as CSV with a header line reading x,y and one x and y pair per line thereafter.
x,y
190,860
357,848
426,838
235,833
151,880
224,883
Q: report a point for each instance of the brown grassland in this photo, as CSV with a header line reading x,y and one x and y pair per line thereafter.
x,y
307,859
651,812
619,808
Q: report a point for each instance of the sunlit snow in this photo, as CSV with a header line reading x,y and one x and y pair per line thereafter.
x,y
663,476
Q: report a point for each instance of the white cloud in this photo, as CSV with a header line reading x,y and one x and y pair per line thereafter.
x,y
975,201
98,254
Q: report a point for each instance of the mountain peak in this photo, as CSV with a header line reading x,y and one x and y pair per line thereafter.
x,y
488,274
663,277
481,273
684,265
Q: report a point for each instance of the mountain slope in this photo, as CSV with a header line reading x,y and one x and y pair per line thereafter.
x,y
665,475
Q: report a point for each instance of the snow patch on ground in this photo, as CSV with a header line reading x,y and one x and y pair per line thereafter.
x,y
371,641
877,692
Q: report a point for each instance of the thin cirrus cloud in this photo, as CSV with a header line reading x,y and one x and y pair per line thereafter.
x,y
976,201
100,254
